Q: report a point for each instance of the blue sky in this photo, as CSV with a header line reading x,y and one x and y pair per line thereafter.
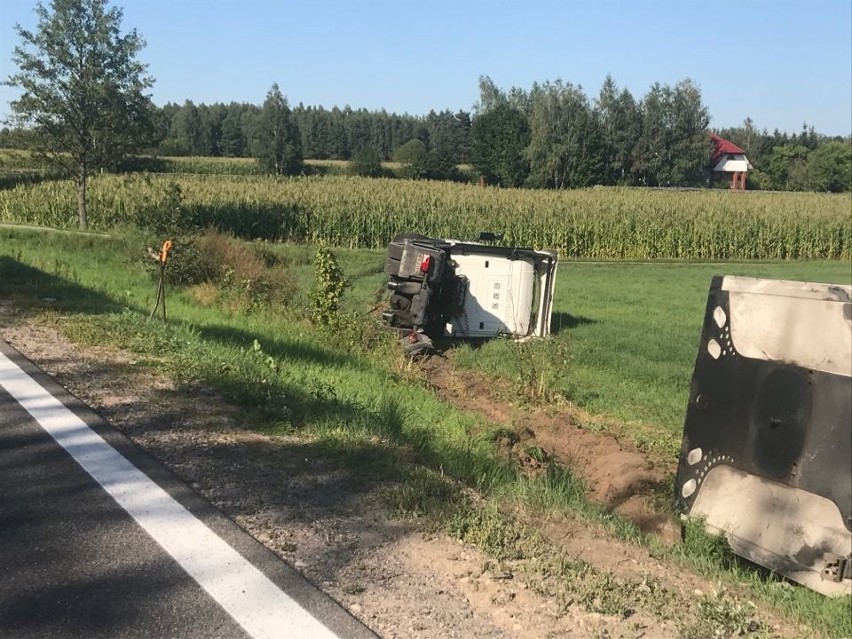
x,y
782,62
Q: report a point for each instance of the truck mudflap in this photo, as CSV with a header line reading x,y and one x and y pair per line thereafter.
x,y
767,443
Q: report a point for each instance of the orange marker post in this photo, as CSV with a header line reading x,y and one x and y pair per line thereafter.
x,y
161,285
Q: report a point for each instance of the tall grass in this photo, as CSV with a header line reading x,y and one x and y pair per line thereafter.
x,y
631,333
600,223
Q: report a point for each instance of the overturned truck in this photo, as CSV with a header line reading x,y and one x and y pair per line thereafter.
x,y
766,457
448,288
767,443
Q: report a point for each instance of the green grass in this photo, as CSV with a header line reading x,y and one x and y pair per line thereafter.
x,y
361,409
301,380
631,331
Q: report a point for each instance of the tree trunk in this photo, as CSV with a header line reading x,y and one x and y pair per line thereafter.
x,y
81,201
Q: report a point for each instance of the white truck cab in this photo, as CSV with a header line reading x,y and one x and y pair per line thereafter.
x,y
449,288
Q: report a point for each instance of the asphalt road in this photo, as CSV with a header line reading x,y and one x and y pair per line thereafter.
x,y
97,539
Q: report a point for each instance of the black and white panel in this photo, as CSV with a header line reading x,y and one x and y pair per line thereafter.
x,y
767,444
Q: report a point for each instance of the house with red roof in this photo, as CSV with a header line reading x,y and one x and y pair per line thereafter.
x,y
728,158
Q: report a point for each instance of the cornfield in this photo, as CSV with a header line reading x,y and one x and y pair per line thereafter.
x,y
598,223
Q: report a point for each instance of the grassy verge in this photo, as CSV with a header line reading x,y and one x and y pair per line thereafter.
x,y
438,504
296,380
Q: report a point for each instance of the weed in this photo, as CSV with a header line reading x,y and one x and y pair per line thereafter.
x,y
328,290
235,275
350,330
189,263
721,617
205,293
558,489
425,494
712,549
490,531
538,365
390,417
537,453
357,333
248,279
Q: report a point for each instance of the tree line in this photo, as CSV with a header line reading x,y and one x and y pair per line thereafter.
x,y
550,136
227,130
554,136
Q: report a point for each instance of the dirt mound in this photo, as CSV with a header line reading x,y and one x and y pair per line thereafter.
x,y
622,478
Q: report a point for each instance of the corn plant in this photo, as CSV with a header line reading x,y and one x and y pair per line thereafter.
x,y
597,223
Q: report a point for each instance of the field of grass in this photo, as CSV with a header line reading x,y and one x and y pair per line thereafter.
x,y
355,400
631,331
605,223
192,165
17,161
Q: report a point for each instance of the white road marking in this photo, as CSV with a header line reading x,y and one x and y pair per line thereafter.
x,y
258,605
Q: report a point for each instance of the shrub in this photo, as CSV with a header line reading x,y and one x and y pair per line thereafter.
x,y
329,288
245,278
367,163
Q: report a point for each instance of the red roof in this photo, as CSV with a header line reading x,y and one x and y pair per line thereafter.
x,y
724,147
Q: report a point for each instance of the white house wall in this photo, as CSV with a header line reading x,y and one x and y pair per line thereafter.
x,y
733,164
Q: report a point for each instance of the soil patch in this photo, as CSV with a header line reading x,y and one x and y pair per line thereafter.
x,y
618,475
